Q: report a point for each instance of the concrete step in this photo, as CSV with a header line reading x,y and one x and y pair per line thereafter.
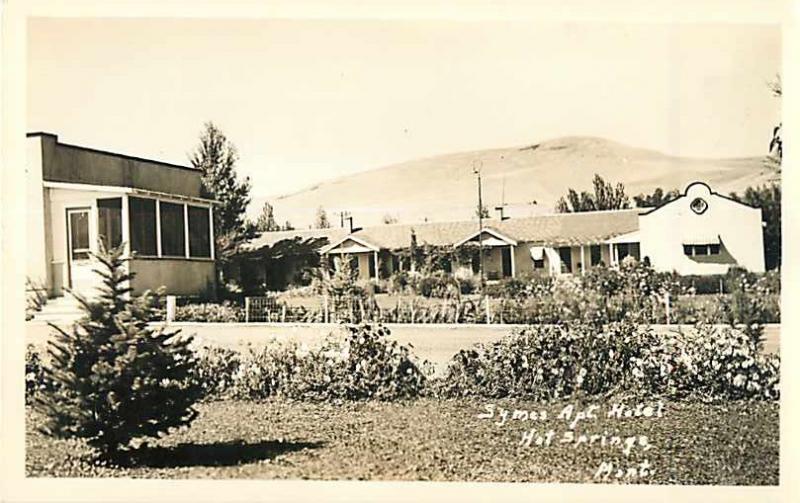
x,y
59,310
59,318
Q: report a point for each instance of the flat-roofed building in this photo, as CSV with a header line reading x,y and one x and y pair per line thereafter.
x,y
80,197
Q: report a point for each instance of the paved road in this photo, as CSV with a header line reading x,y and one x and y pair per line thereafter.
x,y
435,343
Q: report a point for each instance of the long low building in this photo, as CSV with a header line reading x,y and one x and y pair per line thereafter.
x,y
700,232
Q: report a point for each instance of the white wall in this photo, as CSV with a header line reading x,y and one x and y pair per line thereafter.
x,y
59,200
663,231
38,219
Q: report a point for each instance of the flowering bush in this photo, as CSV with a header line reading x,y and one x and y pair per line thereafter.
x,y
552,362
36,380
227,312
363,365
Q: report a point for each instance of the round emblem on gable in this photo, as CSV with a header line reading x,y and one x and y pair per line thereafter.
x,y
699,205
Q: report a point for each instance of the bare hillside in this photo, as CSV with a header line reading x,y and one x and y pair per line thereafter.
x,y
528,178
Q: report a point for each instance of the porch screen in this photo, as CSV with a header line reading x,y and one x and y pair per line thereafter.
x,y
143,225
199,232
109,221
173,233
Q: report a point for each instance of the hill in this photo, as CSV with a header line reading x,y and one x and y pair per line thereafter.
x,y
529,179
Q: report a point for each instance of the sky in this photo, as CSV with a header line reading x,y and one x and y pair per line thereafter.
x,y
307,100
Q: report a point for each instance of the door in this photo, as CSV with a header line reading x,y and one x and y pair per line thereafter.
x,y
81,275
506,256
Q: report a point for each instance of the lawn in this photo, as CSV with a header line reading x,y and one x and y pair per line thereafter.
x,y
428,439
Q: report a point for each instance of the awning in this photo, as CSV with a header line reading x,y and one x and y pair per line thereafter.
x,y
702,239
554,259
537,252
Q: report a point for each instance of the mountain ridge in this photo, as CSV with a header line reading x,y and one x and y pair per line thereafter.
x,y
528,179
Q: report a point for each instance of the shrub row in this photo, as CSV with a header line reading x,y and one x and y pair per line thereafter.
x,y
555,362
541,362
364,364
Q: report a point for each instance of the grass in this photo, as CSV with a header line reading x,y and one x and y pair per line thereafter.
x,y
428,439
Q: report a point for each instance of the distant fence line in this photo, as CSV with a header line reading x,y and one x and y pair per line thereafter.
x,y
325,309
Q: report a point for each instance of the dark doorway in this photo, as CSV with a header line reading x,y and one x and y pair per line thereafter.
x,y
506,258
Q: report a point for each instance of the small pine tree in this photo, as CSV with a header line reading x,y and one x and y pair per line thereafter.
x,y
115,378
322,221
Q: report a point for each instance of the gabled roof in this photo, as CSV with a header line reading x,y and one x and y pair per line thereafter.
x,y
499,236
270,238
554,230
362,245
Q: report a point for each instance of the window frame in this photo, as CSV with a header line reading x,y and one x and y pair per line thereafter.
x,y
181,210
131,227
709,250
186,230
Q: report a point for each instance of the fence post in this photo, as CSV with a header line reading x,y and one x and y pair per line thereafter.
x,y
667,306
170,309
247,309
488,311
283,314
325,314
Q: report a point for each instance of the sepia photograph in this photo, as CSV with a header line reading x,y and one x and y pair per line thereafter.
x,y
442,250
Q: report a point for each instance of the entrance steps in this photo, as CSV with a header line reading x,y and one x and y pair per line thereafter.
x,y
60,311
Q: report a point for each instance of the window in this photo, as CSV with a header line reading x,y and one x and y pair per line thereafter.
x,y
371,265
143,225
109,221
199,232
565,253
701,250
173,237
79,234
623,250
538,264
596,254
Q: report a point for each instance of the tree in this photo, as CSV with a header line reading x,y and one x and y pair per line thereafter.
x,y
775,157
768,198
482,212
322,221
657,198
389,219
216,157
605,197
266,219
116,379
287,226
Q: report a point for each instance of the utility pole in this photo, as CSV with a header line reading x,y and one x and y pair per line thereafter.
x,y
477,164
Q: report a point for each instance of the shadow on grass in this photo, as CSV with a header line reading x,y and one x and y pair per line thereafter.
x,y
216,454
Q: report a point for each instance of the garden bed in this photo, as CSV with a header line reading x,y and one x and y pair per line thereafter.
x,y
733,443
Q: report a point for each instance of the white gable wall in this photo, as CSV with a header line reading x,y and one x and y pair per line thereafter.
x,y
664,231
